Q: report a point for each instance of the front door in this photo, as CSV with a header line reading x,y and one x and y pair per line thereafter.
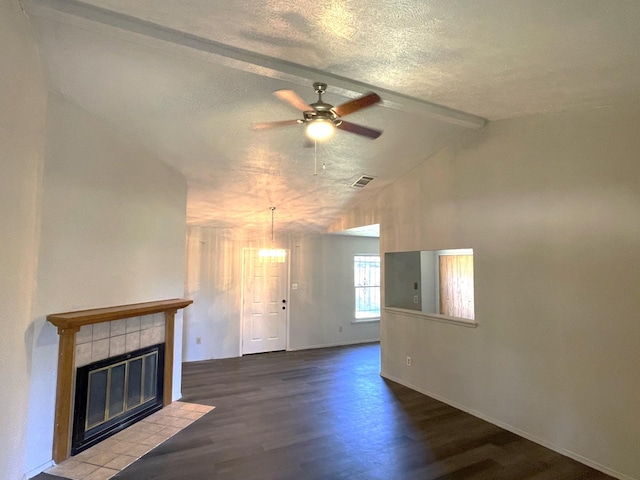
x,y
264,309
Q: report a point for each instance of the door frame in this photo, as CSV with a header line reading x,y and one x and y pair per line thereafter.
x,y
242,294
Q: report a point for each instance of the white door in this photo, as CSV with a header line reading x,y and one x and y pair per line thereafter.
x,y
265,304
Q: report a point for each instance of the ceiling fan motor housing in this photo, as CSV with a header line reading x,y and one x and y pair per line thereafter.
x,y
327,115
321,110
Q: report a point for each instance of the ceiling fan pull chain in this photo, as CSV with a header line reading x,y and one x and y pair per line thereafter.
x,y
315,157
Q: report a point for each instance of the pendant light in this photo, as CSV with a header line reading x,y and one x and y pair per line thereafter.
x,y
272,255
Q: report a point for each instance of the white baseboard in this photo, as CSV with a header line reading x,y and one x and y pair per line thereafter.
x,y
512,429
38,470
339,344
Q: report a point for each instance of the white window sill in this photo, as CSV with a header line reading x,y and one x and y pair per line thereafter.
x,y
366,320
464,322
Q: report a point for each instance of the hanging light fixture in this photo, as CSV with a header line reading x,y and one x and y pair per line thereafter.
x,y
272,255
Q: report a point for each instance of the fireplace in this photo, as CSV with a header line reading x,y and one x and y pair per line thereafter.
x,y
102,334
114,393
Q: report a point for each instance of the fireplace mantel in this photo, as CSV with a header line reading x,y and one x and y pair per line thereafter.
x,y
98,315
68,324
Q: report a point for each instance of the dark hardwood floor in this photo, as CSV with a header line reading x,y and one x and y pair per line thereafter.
x,y
327,414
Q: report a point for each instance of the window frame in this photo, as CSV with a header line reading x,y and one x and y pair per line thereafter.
x,y
363,318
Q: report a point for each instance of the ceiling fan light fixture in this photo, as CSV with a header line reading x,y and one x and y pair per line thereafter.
x,y
320,129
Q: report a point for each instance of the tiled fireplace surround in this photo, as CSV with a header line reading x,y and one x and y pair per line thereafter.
x,y
109,339
90,335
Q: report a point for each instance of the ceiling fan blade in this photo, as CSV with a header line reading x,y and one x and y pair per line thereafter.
x,y
360,130
357,104
293,99
268,125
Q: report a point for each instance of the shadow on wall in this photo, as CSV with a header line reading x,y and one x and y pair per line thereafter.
x,y
43,356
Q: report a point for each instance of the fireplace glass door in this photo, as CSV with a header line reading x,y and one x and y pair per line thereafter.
x,y
114,393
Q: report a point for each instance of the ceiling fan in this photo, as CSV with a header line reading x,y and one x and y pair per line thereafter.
x,y
323,118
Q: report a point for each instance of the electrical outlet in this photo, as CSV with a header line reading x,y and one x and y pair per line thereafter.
x,y
198,340
340,329
408,361
415,299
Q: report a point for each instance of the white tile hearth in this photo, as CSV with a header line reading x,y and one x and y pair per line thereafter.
x,y
114,454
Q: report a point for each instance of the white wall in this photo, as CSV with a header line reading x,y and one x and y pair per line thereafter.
x,y
112,233
23,97
322,265
551,207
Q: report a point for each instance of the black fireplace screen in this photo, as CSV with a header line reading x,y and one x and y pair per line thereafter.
x,y
114,393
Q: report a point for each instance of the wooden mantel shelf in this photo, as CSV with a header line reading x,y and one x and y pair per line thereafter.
x,y
69,324
98,315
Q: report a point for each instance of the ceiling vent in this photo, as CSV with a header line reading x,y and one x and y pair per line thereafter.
x,y
363,181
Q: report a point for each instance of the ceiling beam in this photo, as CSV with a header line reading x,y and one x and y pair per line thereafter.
x,y
246,60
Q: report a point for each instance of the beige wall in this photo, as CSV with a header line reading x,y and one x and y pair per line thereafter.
x,y
551,207
23,97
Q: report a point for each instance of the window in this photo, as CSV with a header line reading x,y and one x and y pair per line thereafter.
x,y
367,285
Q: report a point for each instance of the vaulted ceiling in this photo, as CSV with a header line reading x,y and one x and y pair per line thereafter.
x,y
186,79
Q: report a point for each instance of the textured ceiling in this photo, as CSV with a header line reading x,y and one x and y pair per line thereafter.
x,y
186,80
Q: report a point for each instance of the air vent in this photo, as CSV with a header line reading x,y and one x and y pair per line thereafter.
x,y
363,181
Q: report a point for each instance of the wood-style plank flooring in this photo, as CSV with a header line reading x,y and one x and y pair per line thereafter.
x,y
327,414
